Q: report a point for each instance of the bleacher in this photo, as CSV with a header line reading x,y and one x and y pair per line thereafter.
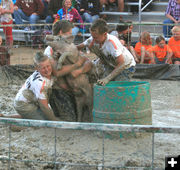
x,y
150,21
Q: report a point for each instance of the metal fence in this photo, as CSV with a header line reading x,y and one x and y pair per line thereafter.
x,y
23,37
55,161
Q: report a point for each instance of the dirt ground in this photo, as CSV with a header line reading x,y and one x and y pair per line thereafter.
x,y
23,55
86,146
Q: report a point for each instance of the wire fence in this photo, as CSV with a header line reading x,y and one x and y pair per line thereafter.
x,y
25,37
96,160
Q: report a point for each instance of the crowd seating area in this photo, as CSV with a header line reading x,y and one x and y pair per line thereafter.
x,y
150,21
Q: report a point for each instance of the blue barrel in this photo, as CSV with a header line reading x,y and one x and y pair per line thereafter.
x,y
122,102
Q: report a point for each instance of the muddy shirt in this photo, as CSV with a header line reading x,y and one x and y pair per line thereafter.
x,y
110,50
38,84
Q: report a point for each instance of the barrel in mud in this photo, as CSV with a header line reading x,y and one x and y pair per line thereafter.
x,y
122,102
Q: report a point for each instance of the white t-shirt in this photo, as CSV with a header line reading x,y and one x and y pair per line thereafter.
x,y
48,52
112,48
38,85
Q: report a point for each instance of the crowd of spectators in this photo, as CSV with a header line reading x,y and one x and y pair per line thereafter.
x,y
87,11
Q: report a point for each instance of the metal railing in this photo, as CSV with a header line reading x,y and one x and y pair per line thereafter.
x,y
104,128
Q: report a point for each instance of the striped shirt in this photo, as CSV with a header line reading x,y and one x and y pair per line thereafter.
x,y
173,9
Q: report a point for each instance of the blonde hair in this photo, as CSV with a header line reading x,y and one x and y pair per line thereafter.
x,y
145,38
38,58
175,29
63,2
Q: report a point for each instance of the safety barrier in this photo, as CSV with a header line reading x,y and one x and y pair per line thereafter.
x,y
10,156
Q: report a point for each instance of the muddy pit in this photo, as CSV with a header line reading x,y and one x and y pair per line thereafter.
x,y
75,146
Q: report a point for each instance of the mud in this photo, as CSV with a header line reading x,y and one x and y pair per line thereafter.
x,y
86,147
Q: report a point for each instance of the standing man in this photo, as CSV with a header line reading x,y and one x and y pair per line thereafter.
x,y
29,10
116,62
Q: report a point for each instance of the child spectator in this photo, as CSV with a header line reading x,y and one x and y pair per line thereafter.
x,y
68,12
142,47
6,10
4,55
174,44
161,52
89,9
123,33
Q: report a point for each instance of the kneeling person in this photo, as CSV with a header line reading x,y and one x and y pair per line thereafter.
x,y
31,101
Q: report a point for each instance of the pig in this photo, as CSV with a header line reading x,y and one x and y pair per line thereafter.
x,y
80,86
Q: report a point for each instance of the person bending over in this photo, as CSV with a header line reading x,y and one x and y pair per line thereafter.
x,y
114,60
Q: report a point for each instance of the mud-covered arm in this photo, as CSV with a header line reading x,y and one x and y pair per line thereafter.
x,y
117,70
80,46
87,66
43,103
66,69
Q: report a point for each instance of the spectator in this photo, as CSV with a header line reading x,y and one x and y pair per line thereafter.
x,y
161,52
6,11
116,61
173,16
45,11
112,4
142,47
4,55
53,7
89,9
123,33
71,14
174,44
29,11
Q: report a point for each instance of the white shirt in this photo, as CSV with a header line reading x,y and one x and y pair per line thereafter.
x,y
48,52
112,48
38,85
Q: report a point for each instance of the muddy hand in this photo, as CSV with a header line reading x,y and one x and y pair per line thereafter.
x,y
103,82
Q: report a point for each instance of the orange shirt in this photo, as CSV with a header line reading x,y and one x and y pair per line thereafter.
x,y
138,47
175,47
161,53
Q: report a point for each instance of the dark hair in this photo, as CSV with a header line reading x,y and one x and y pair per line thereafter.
x,y
63,25
99,25
123,25
159,39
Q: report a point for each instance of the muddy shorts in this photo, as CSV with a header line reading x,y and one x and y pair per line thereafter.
x,y
29,110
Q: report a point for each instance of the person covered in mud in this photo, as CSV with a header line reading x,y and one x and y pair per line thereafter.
x,y
31,101
115,62
62,99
